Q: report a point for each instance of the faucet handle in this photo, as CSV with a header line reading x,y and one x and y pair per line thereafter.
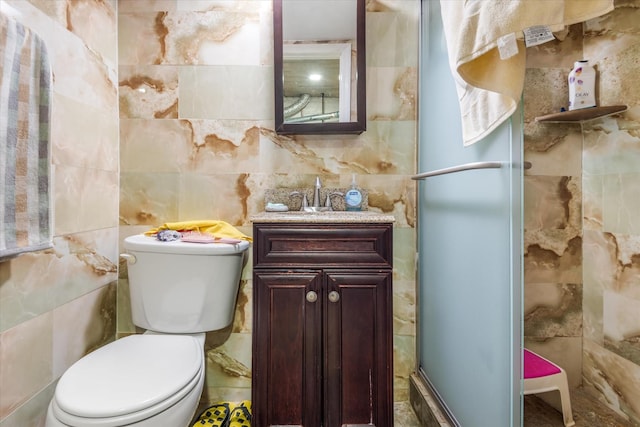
x,y
328,203
305,202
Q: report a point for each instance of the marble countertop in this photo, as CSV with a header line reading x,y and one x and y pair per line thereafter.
x,y
363,217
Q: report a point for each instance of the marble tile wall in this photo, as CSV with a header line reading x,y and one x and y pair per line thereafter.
x,y
197,142
59,304
582,228
194,119
611,184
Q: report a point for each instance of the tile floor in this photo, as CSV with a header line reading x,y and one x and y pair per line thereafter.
x,y
403,415
587,412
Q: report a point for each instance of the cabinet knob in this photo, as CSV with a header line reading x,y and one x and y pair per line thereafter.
x,y
312,296
334,296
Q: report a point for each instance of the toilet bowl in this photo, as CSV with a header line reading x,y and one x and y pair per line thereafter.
x,y
133,381
178,291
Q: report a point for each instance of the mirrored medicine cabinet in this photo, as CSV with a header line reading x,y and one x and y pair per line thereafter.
x,y
319,66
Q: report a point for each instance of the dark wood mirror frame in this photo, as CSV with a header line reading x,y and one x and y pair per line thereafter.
x,y
356,127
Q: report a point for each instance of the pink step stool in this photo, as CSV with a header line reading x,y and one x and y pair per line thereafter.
x,y
542,375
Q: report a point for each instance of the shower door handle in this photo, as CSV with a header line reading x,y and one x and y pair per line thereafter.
x,y
466,167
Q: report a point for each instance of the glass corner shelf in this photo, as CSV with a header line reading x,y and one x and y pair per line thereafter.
x,y
576,116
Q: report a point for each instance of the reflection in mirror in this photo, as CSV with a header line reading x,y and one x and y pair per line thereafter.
x,y
314,87
319,66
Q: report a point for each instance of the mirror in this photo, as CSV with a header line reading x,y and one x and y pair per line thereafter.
x,y
319,66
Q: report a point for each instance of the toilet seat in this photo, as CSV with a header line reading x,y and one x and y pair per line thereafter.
x,y
128,380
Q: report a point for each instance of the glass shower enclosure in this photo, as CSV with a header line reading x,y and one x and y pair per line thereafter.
x,y
469,251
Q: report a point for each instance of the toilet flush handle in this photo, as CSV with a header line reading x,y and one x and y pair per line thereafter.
x,y
129,258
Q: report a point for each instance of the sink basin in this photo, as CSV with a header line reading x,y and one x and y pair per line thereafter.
x,y
316,209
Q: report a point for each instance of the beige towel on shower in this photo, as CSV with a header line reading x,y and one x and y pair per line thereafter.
x,y
489,88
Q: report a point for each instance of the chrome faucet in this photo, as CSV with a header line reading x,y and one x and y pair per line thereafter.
x,y
317,201
316,194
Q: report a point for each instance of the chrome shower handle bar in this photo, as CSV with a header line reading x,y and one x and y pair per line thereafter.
x,y
466,167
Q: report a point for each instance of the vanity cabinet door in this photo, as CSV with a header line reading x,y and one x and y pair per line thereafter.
x,y
287,361
358,349
322,327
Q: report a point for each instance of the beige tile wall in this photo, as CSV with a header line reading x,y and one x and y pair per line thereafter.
x,y
59,304
197,142
193,148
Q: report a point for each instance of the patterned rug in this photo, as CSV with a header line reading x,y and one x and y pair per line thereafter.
x,y
226,414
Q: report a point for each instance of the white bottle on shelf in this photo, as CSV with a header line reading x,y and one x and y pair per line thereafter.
x,y
582,83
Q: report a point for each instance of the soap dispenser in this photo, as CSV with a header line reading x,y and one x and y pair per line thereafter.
x,y
353,197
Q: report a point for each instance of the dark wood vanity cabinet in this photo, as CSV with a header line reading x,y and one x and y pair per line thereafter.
x,y
322,328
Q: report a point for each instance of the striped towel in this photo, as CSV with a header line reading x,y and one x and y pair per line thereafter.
x,y
25,81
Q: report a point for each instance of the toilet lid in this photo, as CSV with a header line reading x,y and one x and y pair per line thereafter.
x,y
142,243
129,375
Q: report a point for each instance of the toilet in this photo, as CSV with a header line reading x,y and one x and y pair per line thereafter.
x,y
179,291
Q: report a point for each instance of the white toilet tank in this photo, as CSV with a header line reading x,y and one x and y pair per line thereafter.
x,y
181,287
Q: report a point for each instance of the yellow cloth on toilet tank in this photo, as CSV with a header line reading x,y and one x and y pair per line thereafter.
x,y
214,228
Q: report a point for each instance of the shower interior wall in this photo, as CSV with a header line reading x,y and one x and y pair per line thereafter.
x,y
582,230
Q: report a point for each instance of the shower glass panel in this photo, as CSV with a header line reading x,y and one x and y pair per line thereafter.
x,y
470,232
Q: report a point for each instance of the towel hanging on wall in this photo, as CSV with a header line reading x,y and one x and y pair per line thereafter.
x,y
25,81
489,88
